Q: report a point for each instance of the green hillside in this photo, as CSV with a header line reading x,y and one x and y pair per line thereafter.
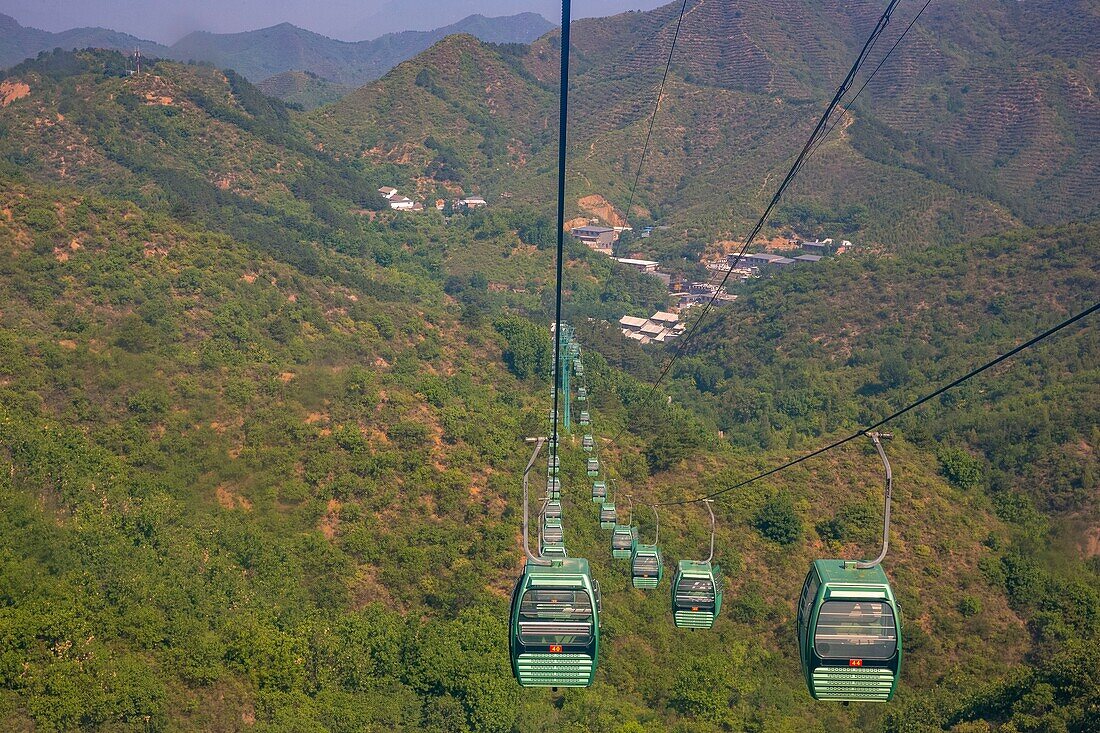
x,y
302,88
262,435
960,134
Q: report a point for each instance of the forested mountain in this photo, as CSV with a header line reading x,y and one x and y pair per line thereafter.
x,y
261,437
983,118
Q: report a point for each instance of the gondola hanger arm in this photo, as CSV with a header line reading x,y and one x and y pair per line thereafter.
x,y
877,439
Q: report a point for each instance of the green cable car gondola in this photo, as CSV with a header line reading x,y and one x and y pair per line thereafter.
x,y
624,536
588,443
849,633
593,467
554,551
582,394
585,418
697,589
554,622
552,510
849,623
554,464
623,539
608,516
646,566
599,491
552,531
555,631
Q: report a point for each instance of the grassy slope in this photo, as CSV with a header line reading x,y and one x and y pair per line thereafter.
x,y
154,357
302,88
172,384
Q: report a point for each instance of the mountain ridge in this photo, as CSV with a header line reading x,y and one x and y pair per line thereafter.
x,y
277,49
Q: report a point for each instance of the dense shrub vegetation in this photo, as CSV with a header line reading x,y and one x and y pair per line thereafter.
x,y
260,440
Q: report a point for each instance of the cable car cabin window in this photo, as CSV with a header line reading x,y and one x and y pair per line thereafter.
x,y
809,595
555,617
645,564
855,630
695,593
622,540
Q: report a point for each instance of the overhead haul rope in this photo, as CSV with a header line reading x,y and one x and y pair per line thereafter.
x,y
912,406
818,130
563,119
871,76
851,101
656,106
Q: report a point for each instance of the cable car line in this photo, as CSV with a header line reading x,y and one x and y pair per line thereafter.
x,y
852,101
818,130
871,76
877,439
912,406
653,117
563,119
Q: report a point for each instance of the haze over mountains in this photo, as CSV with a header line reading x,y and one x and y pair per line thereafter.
x,y
166,21
270,51
261,435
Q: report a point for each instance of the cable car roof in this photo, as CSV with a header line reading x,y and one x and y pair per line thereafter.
x,y
833,572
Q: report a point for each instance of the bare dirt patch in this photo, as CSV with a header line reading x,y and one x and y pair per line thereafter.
x,y
232,500
331,520
580,221
597,205
11,91
1092,542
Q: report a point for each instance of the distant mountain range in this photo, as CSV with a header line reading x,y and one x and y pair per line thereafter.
x,y
268,52
18,43
260,54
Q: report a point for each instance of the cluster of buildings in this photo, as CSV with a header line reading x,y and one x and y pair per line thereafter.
x,y
701,293
597,238
398,202
755,264
660,327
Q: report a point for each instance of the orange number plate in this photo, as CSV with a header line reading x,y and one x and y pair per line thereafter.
x,y
555,648
855,662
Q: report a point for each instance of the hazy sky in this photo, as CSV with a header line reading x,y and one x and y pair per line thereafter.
x,y
353,20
